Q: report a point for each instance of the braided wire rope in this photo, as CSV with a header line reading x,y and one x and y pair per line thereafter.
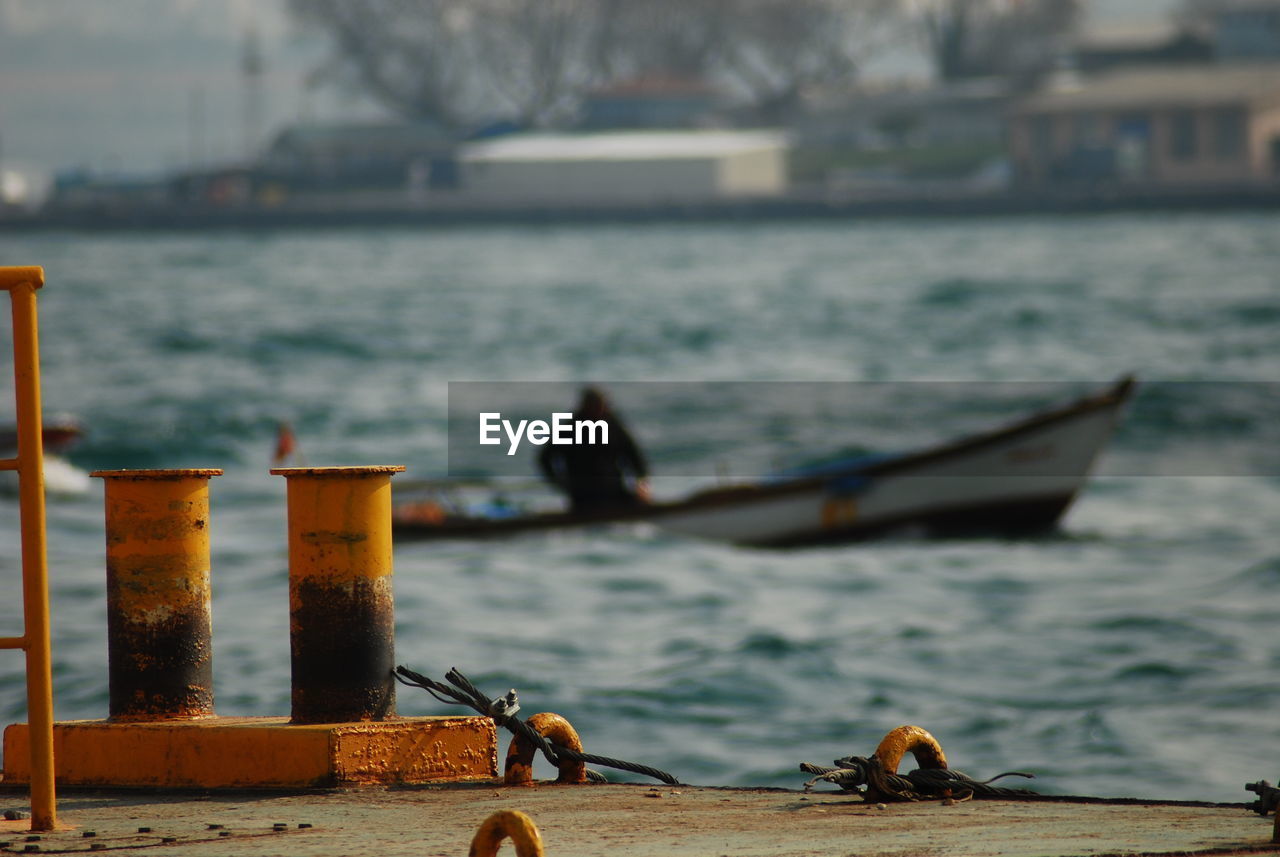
x,y
867,776
502,712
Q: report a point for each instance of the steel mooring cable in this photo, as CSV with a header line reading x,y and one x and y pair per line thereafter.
x,y
856,773
502,712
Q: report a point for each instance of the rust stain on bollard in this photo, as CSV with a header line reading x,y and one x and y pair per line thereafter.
x,y
341,609
158,593
342,642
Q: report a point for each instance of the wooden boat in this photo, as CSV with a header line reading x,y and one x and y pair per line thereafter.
x,y
1017,479
61,477
56,435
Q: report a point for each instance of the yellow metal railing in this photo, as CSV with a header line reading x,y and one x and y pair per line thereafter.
x,y
21,284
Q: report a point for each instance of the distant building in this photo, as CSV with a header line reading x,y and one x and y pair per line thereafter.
x,y
362,156
650,102
1161,43
1175,127
233,186
961,113
1246,29
640,167
83,189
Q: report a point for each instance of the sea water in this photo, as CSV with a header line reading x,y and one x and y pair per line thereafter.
x,y
1132,653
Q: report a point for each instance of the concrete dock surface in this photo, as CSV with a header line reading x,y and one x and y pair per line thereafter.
x,y
617,819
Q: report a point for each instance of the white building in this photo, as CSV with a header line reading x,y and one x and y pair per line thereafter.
x,y
621,168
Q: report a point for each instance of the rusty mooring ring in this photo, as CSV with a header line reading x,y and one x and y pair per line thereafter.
x,y
914,740
502,824
553,727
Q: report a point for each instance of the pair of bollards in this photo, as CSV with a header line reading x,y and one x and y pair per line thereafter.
x,y
341,616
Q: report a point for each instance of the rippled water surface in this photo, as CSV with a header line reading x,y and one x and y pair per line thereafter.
x,y
1134,653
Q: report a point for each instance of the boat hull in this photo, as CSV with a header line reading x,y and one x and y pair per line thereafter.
x,y
1011,484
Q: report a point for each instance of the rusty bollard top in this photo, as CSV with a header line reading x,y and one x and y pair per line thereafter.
x,y
160,473
359,470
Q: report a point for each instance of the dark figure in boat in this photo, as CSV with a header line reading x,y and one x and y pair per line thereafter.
x,y
597,477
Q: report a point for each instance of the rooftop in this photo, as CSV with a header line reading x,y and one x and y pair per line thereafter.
x,y
622,146
1170,86
1125,34
311,135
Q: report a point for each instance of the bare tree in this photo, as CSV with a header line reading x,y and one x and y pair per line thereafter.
x,y
775,50
946,27
410,55
538,55
675,38
458,60
767,52
1011,38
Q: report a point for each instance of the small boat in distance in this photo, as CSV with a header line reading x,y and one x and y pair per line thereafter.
x,y
1017,479
61,477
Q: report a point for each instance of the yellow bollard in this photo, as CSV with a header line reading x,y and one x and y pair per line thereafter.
x,y
341,617
159,634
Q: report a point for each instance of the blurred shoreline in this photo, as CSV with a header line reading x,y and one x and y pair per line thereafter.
x,y
378,210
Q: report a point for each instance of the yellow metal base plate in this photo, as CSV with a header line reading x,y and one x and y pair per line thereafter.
x,y
261,752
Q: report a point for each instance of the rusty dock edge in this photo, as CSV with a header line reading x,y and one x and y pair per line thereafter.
x,y
261,752
646,821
